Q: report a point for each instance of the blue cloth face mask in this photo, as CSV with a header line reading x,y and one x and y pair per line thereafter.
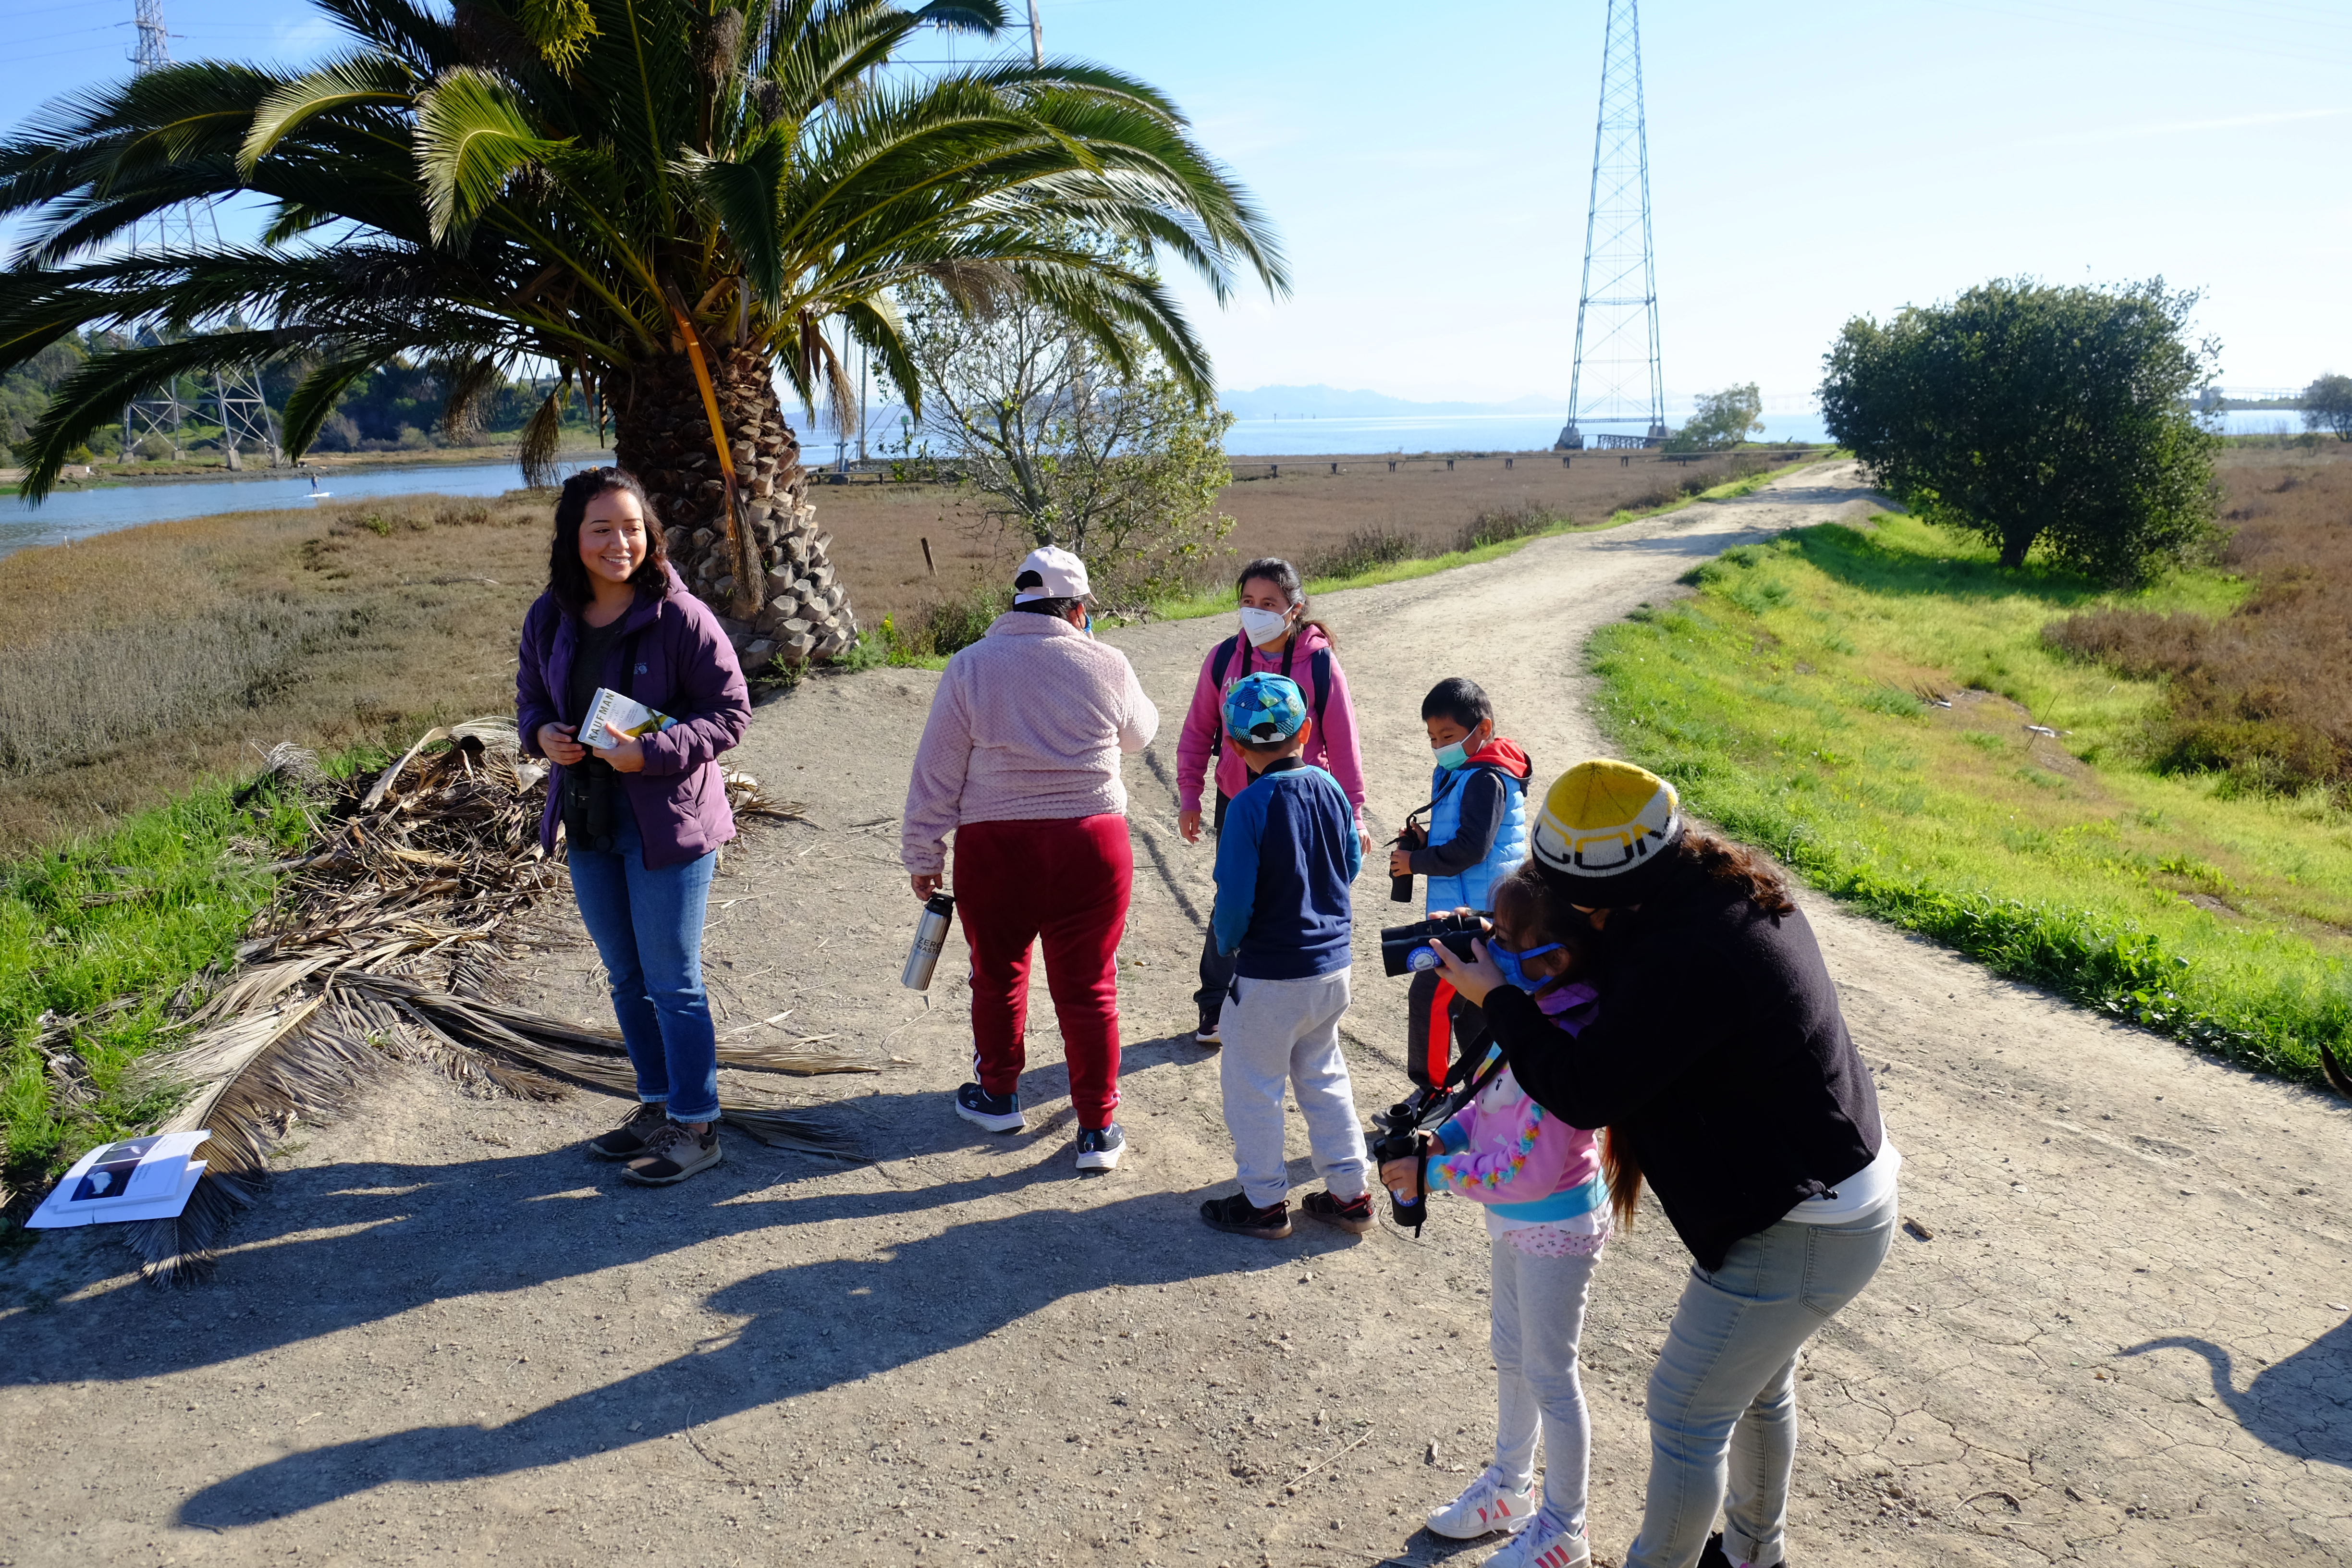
x,y
1458,754
1509,963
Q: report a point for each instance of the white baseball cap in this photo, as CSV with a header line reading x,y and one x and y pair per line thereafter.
x,y
1064,575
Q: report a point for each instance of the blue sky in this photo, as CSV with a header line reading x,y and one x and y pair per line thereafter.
x,y
1427,165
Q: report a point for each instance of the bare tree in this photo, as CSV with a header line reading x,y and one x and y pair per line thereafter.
x,y
1118,463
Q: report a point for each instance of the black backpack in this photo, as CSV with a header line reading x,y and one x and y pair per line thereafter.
x,y
1318,677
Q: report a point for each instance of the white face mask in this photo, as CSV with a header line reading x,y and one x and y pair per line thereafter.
x,y
1263,627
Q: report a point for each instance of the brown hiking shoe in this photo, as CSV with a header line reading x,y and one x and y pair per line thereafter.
x,y
672,1154
628,1141
1353,1214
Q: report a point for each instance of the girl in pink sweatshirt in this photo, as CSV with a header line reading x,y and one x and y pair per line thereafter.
x,y
1547,1207
1276,638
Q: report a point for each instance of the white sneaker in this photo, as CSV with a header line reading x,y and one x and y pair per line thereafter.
x,y
1544,1547
1486,1507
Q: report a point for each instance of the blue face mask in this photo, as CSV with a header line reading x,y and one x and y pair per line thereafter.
x,y
1508,963
1458,754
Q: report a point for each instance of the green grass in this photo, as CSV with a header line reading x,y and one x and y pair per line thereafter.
x,y
1786,700
102,933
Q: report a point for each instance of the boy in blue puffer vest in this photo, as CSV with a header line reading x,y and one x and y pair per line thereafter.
x,y
1478,835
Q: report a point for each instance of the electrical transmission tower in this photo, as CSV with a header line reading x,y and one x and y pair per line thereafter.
x,y
234,398
1616,380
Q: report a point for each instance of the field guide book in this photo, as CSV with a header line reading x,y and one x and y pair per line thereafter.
x,y
627,715
139,1178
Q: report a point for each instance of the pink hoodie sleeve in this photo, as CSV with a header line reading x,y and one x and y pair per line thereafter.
x,y
1509,1158
1342,758
935,791
1196,742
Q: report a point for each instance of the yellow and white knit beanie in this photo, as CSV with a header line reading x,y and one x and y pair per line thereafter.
x,y
1604,826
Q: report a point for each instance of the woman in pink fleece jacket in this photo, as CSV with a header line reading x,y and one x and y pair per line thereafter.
x,y
1020,761
1276,638
1548,1208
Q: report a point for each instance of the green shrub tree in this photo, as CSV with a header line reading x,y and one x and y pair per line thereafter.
x,y
608,187
2327,405
1721,421
2033,415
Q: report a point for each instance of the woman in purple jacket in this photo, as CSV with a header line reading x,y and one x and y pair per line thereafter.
x,y
644,816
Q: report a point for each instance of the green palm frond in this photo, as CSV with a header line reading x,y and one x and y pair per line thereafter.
x,y
744,195
526,178
313,397
94,394
361,78
472,135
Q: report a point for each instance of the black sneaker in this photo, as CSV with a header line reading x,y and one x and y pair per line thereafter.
x,y
628,1141
1354,1216
997,1112
1100,1147
1210,1032
1239,1217
1714,1556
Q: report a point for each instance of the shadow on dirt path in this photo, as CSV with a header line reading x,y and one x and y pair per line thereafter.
x,y
446,1333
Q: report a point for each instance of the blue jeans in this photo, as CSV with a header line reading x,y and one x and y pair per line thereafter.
x,y
1723,1397
647,927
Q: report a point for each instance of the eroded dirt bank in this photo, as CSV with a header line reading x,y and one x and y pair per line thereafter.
x,y
449,1335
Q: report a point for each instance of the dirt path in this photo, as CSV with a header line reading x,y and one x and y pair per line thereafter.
x,y
447,1335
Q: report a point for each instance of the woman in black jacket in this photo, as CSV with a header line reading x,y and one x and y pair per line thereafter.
x,y
1722,1069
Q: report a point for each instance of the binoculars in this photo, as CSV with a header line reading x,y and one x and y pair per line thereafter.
x,y
1408,948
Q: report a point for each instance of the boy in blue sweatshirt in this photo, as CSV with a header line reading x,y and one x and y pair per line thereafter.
x,y
1284,857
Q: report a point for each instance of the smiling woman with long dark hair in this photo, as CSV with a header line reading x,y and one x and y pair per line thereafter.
x,y
643,816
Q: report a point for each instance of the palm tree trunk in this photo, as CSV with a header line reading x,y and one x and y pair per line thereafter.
x,y
662,435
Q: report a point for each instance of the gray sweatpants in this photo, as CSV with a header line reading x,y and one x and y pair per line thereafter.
x,y
1538,1315
1279,1031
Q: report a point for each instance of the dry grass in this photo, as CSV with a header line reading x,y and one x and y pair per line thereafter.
x,y
2262,695
143,659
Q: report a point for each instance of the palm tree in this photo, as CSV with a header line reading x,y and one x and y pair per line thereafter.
x,y
620,188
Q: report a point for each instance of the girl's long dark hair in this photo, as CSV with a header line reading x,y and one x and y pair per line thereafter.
x,y
1541,910
1274,569
1728,860
567,578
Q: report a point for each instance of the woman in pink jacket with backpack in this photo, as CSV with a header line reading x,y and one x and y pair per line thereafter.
x,y
1276,638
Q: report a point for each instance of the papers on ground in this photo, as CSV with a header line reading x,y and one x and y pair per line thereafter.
x,y
139,1178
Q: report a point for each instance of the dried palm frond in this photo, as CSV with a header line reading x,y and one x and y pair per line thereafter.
x,y
792,1056
262,1070
382,943
548,1047
746,797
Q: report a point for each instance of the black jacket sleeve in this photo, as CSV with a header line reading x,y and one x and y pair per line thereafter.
x,y
1717,1051
1474,837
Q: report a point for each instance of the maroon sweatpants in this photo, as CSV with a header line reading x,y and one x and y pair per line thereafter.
x,y
1066,881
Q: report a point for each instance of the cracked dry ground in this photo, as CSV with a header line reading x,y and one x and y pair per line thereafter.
x,y
446,1335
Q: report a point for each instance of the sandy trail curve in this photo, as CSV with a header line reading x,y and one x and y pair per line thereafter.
x,y
446,1332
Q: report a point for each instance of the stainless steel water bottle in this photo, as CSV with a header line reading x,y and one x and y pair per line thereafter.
x,y
930,936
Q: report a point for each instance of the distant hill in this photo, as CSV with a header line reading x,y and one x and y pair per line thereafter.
x,y
1333,402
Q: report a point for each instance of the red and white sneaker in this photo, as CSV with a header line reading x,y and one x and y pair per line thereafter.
x,y
1544,1547
1487,1507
